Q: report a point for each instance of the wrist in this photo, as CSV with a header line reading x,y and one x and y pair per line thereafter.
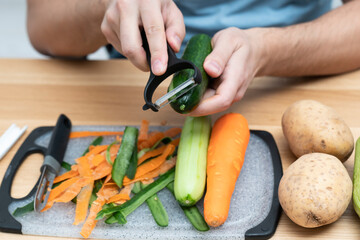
x,y
262,48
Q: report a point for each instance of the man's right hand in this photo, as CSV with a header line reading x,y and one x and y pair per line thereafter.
x,y
161,20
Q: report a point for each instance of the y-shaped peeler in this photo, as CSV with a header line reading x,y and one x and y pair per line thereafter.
x,y
174,65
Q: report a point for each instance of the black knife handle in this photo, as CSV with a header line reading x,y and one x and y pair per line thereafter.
x,y
58,143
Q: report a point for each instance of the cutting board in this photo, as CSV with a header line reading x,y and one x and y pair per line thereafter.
x,y
254,210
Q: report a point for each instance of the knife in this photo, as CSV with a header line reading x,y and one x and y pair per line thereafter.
x,y
52,161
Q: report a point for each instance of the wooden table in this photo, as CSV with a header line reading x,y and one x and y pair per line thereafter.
x,y
35,92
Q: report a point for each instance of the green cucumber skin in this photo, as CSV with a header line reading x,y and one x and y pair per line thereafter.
x,y
356,179
197,49
157,209
123,158
129,206
190,169
130,173
192,213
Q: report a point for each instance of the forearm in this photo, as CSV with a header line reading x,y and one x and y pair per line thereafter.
x,y
66,27
327,45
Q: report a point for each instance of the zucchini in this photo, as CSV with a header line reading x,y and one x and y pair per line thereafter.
x,y
190,169
356,178
122,160
192,213
197,49
129,206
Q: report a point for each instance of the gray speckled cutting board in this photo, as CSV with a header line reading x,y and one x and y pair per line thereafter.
x,y
250,204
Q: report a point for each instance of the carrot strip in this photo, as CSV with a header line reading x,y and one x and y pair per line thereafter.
x,y
90,222
66,175
99,158
82,203
84,166
127,191
166,166
228,142
172,132
117,197
153,138
96,150
147,181
93,134
153,163
152,153
55,192
72,191
102,170
143,133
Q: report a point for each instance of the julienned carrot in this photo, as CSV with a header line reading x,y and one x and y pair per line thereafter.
x,y
153,138
93,134
82,203
226,152
72,191
143,132
96,150
172,132
66,175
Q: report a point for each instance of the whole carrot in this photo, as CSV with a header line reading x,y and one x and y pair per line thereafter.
x,y
228,142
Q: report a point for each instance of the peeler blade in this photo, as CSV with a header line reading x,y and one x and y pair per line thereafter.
x,y
169,97
46,182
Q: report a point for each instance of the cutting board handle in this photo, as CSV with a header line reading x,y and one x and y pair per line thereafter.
x,y
7,221
267,227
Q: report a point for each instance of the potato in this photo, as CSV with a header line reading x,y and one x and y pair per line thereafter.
x,y
310,126
315,190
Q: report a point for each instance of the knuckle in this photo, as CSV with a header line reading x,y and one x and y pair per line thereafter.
x,y
105,29
110,17
130,51
226,102
153,29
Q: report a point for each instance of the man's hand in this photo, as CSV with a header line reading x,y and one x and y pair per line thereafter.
x,y
236,59
161,20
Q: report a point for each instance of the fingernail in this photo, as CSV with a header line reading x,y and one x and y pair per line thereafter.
x,y
157,67
214,66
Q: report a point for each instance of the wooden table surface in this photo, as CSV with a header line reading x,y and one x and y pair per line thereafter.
x,y
35,92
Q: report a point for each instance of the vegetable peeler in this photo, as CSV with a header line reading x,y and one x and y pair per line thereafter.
x,y
174,65
52,160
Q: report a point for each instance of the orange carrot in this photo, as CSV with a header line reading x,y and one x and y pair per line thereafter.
x,y
166,166
172,132
84,166
117,197
127,191
96,150
143,132
66,175
93,134
82,203
153,138
228,142
153,163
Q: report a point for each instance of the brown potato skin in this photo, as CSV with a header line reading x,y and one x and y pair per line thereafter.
x,y
315,190
310,126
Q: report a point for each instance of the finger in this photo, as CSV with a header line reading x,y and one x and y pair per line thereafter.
x,y
215,62
152,20
110,35
174,25
129,35
227,91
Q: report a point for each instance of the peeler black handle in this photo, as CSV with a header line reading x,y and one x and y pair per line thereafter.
x,y
174,65
7,222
